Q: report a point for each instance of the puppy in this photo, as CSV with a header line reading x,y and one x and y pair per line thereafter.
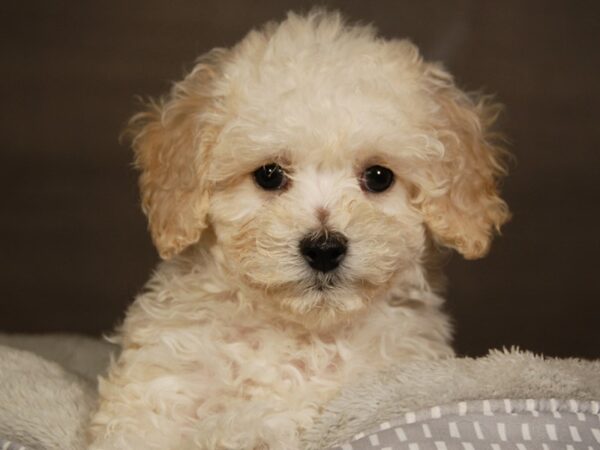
x,y
299,187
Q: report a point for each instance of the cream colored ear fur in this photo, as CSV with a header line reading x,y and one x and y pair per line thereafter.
x,y
172,141
464,210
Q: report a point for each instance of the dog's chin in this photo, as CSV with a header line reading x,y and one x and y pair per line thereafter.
x,y
324,283
319,303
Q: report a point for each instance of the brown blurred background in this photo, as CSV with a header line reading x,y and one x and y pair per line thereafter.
x,y
73,243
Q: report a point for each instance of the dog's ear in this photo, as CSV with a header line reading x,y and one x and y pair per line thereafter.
x,y
172,141
462,207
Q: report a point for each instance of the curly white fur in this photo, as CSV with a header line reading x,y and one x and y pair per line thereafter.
x,y
234,344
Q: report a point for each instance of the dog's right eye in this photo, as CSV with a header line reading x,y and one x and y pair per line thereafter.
x,y
270,177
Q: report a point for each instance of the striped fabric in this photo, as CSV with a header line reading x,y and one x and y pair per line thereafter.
x,y
489,424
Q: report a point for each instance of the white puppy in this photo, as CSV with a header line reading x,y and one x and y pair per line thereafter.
x,y
300,187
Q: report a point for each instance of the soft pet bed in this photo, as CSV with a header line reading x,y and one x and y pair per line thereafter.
x,y
47,389
506,400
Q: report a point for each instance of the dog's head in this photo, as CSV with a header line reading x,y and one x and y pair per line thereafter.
x,y
324,160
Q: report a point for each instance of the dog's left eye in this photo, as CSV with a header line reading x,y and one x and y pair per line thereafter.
x,y
270,177
377,179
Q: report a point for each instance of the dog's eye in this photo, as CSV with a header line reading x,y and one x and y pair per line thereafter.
x,y
377,179
270,177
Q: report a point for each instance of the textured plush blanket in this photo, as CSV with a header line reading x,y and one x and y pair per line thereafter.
x,y
506,375
47,391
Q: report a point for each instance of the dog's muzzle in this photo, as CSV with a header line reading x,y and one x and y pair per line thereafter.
x,y
324,252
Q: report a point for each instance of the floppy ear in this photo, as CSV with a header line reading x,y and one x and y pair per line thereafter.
x,y
462,208
172,141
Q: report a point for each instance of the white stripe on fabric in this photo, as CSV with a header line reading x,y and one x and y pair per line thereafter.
x,y
551,430
487,408
410,417
570,447
436,412
507,406
595,407
413,446
596,433
581,417
521,446
545,447
525,432
574,406
530,404
347,447
553,404
6,445
426,431
462,408
556,415
401,435
439,445
387,448
574,433
374,440
358,436
468,446
453,430
502,431
385,426
478,431
496,447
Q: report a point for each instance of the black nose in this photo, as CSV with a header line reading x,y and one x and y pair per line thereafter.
x,y
324,252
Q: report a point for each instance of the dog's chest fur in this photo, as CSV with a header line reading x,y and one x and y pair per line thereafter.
x,y
199,351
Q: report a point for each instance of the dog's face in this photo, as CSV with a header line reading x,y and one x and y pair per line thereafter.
x,y
322,159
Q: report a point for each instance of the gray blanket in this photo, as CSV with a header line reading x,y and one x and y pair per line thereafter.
x,y
412,387
48,389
